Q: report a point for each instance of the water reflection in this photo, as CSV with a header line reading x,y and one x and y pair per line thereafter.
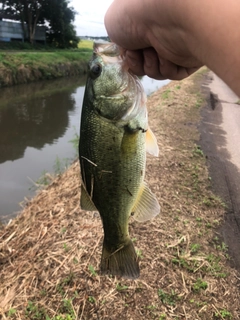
x,y
33,115
37,121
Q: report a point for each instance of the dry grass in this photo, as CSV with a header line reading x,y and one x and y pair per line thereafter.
x,y
49,255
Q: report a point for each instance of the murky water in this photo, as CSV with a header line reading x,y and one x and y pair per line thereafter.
x,y
37,122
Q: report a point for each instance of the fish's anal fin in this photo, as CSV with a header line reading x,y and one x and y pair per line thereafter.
x,y
151,143
123,262
85,201
146,206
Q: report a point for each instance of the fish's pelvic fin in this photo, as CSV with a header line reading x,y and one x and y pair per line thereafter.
x,y
151,143
123,262
146,206
85,201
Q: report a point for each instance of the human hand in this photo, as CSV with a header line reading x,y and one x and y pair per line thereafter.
x,y
151,37
148,62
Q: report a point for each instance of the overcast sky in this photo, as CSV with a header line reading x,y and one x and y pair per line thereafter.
x,y
90,18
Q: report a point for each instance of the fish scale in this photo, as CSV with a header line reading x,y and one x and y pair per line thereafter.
x,y
116,167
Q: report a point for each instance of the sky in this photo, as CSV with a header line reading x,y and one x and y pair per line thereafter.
x,y
90,18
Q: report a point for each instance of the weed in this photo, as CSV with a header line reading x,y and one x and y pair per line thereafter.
x,y
66,247
34,312
75,140
194,247
207,202
68,281
43,180
181,262
139,253
199,304
67,307
163,316
208,225
91,299
151,307
168,298
199,102
222,247
43,293
92,270
178,87
75,260
60,317
197,151
166,94
223,314
121,288
11,312
200,284
63,230
60,165
214,267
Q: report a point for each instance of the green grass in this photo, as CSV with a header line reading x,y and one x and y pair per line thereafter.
x,y
24,67
41,58
200,285
223,314
168,298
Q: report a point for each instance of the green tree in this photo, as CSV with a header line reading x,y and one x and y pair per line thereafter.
x,y
60,31
56,15
28,12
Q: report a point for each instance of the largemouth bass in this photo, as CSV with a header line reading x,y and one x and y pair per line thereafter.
x,y
114,138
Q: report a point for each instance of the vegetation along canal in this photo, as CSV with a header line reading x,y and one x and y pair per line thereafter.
x,y
37,123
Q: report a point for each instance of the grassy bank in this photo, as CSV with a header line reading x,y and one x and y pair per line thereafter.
x,y
23,67
50,254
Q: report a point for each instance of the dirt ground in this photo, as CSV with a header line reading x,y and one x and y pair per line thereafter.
x,y
50,254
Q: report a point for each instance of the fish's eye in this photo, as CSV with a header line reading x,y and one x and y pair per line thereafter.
x,y
96,70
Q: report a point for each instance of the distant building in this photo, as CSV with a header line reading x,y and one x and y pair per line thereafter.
x,y
12,31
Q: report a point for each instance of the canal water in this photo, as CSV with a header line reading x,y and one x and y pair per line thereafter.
x,y
37,123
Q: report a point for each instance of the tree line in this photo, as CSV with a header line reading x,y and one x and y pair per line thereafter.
x,y
56,15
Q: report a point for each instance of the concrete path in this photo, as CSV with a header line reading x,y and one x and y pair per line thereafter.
x,y
220,140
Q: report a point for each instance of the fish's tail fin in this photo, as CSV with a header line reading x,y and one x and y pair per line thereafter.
x,y
122,262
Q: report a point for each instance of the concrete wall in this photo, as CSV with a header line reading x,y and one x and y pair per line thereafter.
x,y
13,30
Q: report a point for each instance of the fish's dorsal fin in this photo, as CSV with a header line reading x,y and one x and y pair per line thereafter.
x,y
146,206
151,143
85,201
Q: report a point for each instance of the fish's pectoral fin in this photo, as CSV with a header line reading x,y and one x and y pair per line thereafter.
x,y
85,201
146,206
121,262
151,143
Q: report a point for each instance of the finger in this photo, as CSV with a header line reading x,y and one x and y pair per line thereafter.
x,y
135,61
172,71
144,62
152,64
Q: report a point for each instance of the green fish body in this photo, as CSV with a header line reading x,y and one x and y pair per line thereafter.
x,y
112,152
